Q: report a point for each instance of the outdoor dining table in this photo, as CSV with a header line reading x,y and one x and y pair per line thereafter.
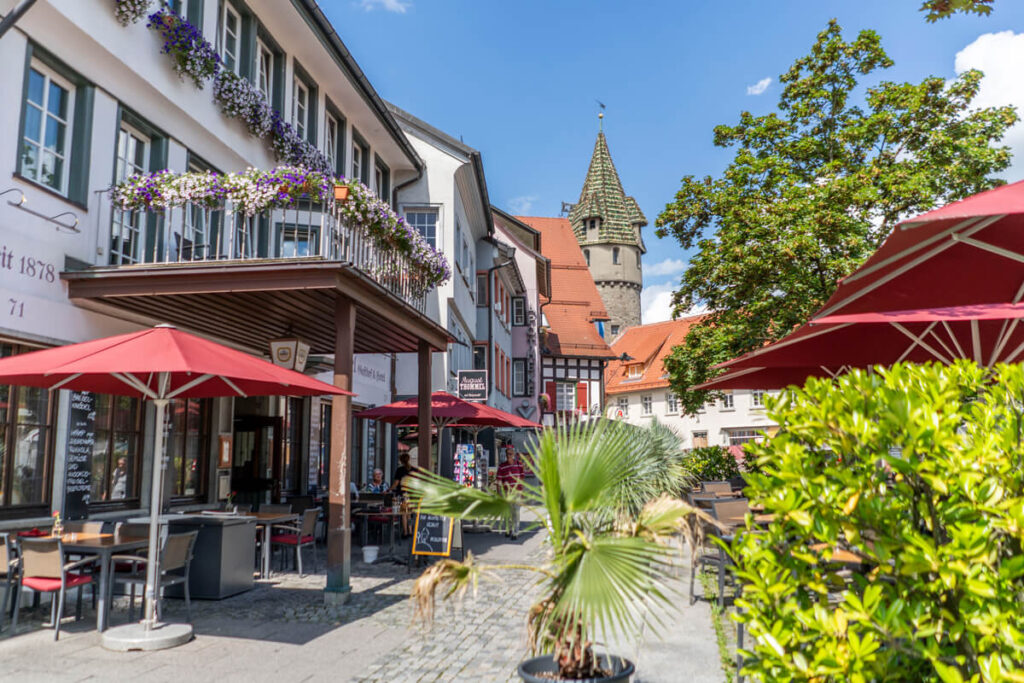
x,y
267,520
104,546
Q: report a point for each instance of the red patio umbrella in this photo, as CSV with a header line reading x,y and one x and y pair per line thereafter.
x,y
158,364
967,252
986,334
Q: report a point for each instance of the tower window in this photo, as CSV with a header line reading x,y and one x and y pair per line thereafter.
x,y
593,223
615,255
586,255
638,266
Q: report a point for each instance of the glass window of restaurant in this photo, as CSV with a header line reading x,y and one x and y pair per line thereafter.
x,y
25,444
188,446
116,452
293,442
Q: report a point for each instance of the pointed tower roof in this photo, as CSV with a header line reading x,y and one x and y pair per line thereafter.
x,y
603,197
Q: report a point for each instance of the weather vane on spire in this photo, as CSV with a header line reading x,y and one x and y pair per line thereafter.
x,y
600,115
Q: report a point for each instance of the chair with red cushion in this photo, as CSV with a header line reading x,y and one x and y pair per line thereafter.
x,y
298,537
42,569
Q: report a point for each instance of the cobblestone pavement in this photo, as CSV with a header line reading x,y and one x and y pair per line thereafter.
x,y
282,631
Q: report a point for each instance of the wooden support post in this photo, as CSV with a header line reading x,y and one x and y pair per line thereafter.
x,y
423,360
339,537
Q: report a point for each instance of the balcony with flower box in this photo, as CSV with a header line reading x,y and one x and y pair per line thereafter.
x,y
252,256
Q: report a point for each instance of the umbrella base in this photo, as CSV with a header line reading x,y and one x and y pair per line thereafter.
x,y
135,637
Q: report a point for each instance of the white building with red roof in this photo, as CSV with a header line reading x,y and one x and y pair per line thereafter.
x,y
637,390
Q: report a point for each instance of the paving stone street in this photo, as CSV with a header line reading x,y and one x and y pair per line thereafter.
x,y
282,631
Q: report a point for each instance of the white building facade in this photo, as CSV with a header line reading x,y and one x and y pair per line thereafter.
x,y
638,391
89,101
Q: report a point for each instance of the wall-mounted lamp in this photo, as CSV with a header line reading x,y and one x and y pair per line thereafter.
x,y
60,225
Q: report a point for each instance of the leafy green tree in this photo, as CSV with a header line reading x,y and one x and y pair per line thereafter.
x,y
940,9
813,189
916,472
712,463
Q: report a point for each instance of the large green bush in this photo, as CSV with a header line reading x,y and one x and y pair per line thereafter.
x,y
711,463
919,470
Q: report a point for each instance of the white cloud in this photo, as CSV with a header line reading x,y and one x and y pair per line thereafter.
x,y
1001,57
759,87
669,266
521,205
397,6
656,302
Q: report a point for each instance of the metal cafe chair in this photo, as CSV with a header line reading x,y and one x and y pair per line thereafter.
x,y
715,488
299,537
42,569
274,507
176,553
730,512
8,574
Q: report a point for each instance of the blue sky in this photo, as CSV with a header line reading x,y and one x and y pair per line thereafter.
x,y
519,80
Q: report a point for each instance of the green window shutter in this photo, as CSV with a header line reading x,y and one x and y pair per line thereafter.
x,y
314,106
247,48
81,145
24,99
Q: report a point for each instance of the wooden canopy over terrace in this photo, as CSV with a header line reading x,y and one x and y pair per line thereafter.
x,y
332,305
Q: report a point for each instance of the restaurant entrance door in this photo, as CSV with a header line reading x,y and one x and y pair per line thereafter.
x,y
257,458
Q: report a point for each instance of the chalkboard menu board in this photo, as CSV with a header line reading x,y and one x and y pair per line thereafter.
x,y
432,535
78,458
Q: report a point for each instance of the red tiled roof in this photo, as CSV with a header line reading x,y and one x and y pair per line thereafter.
x,y
575,302
648,345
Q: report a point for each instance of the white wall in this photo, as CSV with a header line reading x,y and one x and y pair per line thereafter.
x,y
713,419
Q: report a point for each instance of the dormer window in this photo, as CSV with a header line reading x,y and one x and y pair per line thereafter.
x,y
615,256
593,224
635,370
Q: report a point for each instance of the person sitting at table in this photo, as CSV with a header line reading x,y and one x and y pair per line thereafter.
x,y
377,485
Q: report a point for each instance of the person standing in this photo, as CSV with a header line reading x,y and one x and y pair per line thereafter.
x,y
510,480
119,480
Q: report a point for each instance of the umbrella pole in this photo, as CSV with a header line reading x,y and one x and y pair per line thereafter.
x,y
150,635
155,505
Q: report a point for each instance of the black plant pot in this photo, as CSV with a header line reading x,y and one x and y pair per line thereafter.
x,y
622,670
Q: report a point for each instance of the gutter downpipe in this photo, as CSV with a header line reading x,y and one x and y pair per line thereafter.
x,y
12,17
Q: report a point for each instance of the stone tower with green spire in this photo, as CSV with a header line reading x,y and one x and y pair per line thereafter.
x,y
607,224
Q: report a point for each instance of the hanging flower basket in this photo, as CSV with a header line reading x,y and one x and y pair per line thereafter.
x,y
341,192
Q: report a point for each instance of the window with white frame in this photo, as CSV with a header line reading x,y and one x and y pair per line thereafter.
x,y
331,131
425,222
727,401
757,399
360,161
265,71
671,403
126,234
230,38
518,311
46,144
647,405
193,243
738,437
699,439
565,396
381,179
623,405
635,370
519,377
300,107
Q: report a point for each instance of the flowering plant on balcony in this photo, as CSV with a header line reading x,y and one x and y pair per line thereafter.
x,y
130,11
240,99
255,191
365,209
191,55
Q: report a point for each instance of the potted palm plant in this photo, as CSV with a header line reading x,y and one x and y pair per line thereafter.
x,y
607,502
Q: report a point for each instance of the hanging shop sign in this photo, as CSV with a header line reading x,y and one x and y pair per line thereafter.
x,y
473,385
